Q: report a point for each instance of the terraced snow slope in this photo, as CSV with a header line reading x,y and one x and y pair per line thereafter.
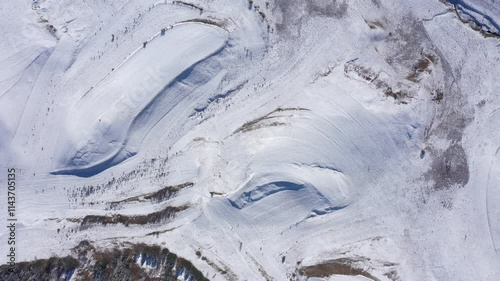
x,y
259,140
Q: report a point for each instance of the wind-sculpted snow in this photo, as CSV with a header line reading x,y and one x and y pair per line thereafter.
x,y
259,140
100,131
309,191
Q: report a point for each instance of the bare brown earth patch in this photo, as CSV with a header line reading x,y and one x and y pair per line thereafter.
x,y
341,266
423,65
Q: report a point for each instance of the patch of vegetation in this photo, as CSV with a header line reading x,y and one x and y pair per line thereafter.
x,y
188,5
371,77
157,233
89,264
161,195
152,218
45,269
166,192
257,123
206,21
374,24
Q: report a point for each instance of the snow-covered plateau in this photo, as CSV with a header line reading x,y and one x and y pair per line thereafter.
x,y
250,140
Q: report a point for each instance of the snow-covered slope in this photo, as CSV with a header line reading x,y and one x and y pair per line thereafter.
x,y
260,140
108,119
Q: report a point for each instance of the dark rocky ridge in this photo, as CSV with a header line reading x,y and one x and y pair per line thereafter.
x,y
90,264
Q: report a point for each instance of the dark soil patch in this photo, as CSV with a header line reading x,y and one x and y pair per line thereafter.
x,y
342,266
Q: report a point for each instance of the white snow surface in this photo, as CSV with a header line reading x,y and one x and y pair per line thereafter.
x,y
103,121
311,131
